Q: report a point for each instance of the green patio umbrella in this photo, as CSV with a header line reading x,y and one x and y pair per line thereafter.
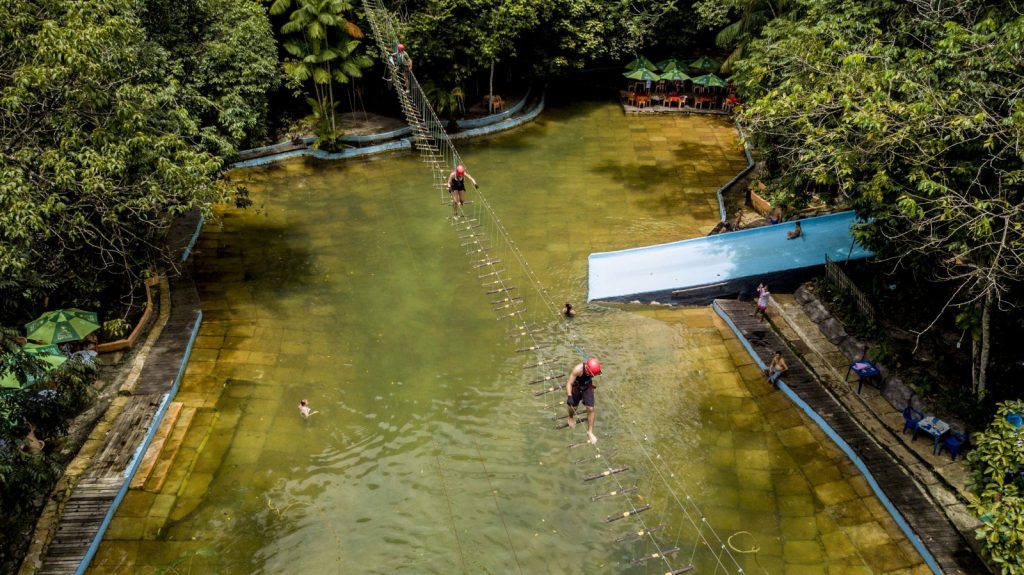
x,y
670,64
642,74
49,354
704,63
710,80
674,75
641,62
62,325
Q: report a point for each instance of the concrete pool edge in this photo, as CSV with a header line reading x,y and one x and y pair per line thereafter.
x,y
481,127
911,535
152,378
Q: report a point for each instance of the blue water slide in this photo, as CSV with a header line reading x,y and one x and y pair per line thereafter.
x,y
699,270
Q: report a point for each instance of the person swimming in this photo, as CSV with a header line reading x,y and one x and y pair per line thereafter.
x,y
305,410
568,311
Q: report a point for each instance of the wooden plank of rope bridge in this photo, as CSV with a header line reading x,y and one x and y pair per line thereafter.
x,y
634,535
659,555
625,514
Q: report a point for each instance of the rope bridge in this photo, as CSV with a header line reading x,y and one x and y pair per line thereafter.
x,y
549,344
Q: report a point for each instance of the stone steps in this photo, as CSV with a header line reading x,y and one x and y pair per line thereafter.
x,y
156,446
171,445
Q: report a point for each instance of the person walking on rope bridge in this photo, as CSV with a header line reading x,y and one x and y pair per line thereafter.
x,y
457,187
404,66
580,387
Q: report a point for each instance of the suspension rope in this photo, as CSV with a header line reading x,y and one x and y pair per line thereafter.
x,y
485,239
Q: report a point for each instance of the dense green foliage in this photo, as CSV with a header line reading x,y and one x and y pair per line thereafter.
x,y
997,479
325,48
222,54
911,113
458,39
41,411
100,146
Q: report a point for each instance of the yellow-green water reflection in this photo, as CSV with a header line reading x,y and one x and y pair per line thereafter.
x,y
342,285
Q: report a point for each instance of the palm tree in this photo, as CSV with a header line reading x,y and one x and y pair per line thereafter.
x,y
754,15
325,46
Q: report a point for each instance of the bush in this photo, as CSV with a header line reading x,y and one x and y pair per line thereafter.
x,y
997,478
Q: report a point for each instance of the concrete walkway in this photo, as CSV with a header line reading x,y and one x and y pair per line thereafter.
x,y
942,480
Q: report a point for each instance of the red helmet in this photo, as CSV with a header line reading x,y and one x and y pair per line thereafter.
x,y
401,47
460,169
593,366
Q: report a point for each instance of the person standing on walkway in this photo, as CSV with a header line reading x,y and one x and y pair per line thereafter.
x,y
762,301
580,387
457,187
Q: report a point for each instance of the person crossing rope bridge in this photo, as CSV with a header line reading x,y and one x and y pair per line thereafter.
x,y
580,387
457,187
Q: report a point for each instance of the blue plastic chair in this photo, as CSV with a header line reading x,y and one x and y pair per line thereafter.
x,y
954,442
911,417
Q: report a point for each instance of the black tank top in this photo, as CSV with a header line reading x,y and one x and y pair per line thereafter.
x,y
584,381
458,184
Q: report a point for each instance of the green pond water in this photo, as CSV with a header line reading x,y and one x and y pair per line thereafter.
x,y
345,284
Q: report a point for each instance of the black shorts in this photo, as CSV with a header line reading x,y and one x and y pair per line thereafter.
x,y
587,395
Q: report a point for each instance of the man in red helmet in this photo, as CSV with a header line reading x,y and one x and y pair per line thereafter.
x,y
580,387
457,187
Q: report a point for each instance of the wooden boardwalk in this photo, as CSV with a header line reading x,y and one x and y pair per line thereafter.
x,y
91,501
939,536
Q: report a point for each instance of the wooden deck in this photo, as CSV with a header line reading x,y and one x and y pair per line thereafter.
x,y
92,498
939,536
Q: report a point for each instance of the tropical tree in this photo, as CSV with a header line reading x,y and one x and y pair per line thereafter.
x,y
325,47
98,151
738,21
912,115
997,481
223,55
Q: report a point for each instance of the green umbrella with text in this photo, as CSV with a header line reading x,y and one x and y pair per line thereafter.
x,y
641,62
642,74
670,64
62,325
704,63
710,80
674,75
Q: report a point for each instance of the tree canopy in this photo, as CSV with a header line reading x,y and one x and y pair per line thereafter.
x,y
911,113
100,147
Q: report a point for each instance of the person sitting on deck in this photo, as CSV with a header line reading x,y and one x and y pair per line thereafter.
x,y
796,232
776,367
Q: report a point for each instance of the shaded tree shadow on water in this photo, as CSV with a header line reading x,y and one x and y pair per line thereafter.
x,y
671,175
271,259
